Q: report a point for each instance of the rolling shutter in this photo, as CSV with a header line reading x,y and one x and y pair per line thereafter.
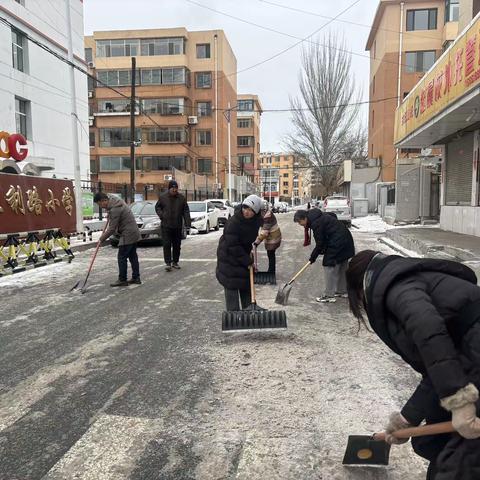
x,y
459,171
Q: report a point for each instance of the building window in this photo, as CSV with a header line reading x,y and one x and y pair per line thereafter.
x,y
245,105
203,80
446,45
163,46
245,159
117,78
204,137
114,164
245,141
164,106
116,137
166,135
93,166
285,175
204,166
244,123
92,84
21,116
422,19
203,50
165,163
451,10
285,192
419,61
92,139
88,55
19,45
204,109
164,76
146,47
115,106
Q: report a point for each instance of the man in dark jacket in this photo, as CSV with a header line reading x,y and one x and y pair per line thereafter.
x,y
234,252
428,312
335,242
172,208
122,222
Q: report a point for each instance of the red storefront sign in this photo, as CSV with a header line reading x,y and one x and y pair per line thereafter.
x,y
31,204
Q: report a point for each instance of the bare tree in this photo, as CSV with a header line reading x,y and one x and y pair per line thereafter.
x,y
326,124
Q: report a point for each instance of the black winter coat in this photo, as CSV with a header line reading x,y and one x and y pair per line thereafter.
x,y
234,248
332,238
428,312
173,210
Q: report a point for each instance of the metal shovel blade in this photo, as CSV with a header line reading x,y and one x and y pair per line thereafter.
x,y
283,294
265,278
363,450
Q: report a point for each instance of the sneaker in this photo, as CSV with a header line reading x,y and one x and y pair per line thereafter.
x,y
134,281
326,299
168,268
119,283
341,295
176,266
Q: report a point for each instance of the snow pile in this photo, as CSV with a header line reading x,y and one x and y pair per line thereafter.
x,y
371,223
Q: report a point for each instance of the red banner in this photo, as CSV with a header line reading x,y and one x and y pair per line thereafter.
x,y
30,204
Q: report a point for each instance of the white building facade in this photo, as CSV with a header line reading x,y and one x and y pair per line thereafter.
x,y
35,93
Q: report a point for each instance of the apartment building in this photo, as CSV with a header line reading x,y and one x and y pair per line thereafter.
x,y
281,178
249,111
184,84
406,38
35,93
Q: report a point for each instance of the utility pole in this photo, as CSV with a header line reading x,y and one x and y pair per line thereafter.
x,y
74,119
215,54
228,115
132,131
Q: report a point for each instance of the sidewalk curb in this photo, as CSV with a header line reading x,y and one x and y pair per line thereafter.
x,y
395,246
82,247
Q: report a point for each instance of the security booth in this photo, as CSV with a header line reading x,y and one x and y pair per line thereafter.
x,y
443,110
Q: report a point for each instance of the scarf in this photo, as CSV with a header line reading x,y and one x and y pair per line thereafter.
x,y
307,239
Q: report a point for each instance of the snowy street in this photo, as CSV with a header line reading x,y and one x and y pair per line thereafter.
x,y
140,383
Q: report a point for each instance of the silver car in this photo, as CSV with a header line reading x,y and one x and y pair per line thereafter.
x,y
340,206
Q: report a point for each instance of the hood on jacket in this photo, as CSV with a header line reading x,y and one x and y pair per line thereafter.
x,y
313,215
114,202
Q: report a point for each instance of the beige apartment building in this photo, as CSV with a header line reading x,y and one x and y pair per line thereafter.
x,y
405,40
281,178
181,78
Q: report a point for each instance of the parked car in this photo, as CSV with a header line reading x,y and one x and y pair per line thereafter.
x,y
204,216
147,221
225,207
340,206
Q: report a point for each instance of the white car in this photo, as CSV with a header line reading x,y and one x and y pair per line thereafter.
x,y
340,206
204,216
226,209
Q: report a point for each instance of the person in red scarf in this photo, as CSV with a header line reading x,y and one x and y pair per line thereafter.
x,y
334,241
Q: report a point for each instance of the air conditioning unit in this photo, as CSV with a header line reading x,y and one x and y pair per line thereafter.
x,y
90,94
168,177
192,120
90,121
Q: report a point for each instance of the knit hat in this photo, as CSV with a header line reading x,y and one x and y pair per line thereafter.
x,y
172,184
254,202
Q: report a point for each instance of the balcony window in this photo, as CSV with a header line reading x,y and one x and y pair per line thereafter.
x,y
245,141
19,45
118,48
117,78
115,106
88,55
245,106
204,109
422,19
166,163
116,137
419,61
204,137
244,123
451,10
117,163
162,46
203,80
91,138
204,166
164,106
245,159
166,135
136,47
203,50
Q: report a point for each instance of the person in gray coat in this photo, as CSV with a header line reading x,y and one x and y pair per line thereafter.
x,y
122,222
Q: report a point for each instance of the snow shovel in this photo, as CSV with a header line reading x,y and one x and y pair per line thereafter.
x,y
372,450
253,317
94,256
263,278
284,292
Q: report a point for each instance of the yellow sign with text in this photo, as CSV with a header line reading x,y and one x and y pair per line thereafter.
x,y
455,73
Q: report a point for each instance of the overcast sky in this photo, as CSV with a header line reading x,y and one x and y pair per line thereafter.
x,y
275,80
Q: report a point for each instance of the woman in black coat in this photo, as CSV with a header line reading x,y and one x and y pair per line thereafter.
x,y
428,312
335,242
234,253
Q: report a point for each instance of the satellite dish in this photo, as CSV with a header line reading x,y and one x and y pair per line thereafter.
x,y
426,152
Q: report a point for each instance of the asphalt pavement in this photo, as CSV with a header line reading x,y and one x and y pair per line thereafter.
x,y
140,383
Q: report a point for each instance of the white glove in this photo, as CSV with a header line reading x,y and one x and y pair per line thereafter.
x,y
466,422
396,422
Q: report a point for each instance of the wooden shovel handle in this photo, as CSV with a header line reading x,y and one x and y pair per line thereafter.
x,y
252,284
433,429
299,273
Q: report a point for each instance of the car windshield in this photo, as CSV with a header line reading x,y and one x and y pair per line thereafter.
x,y
218,204
337,202
143,208
196,206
